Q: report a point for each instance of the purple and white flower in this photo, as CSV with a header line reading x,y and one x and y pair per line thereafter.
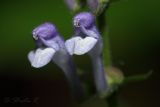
x,y
87,39
86,35
51,47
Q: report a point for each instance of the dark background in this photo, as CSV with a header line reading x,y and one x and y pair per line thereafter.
x,y
135,43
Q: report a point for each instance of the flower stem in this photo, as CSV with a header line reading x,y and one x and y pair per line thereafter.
x,y
102,25
139,77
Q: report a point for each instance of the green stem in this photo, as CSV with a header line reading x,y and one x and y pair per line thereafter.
x,y
139,77
103,28
102,25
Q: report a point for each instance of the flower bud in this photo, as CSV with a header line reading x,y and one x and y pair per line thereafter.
x,y
73,5
97,6
114,78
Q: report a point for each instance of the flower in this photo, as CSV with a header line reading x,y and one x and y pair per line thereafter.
x,y
48,43
51,46
86,34
88,40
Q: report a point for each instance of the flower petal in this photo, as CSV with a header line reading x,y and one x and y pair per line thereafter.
x,y
80,46
50,43
91,33
70,44
31,55
42,57
84,45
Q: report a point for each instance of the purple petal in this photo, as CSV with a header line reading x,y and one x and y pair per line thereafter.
x,y
90,32
46,30
50,43
84,22
85,19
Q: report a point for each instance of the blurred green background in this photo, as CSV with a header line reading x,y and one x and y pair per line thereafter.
x,y
135,43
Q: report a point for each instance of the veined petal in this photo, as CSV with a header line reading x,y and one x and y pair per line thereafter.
x,y
80,46
41,57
